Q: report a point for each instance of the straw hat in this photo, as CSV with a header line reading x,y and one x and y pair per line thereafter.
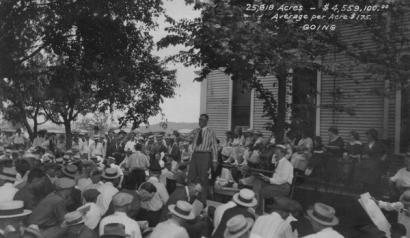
x,y
110,174
13,209
182,209
72,218
323,214
237,226
245,197
64,183
70,170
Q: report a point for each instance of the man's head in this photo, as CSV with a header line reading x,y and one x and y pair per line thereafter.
x,y
96,176
12,215
322,216
91,195
203,120
122,201
147,191
280,151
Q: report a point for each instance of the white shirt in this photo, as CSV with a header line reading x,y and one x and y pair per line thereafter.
x,y
7,192
169,229
274,226
283,173
219,212
107,191
132,227
402,217
161,189
92,215
130,145
154,204
96,149
401,178
326,233
83,147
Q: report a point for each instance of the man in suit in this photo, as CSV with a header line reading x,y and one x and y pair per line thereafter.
x,y
204,155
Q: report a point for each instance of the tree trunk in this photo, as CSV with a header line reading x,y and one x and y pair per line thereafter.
x,y
31,133
68,135
281,75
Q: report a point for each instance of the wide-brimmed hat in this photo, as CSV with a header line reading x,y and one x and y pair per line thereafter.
x,y
182,209
13,209
114,230
64,183
70,170
323,214
405,198
110,173
72,218
245,197
237,226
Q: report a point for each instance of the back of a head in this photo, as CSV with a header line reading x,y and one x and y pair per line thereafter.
x,y
149,187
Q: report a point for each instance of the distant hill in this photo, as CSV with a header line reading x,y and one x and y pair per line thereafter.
x,y
171,126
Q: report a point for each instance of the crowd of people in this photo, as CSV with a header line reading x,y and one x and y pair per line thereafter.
x,y
119,184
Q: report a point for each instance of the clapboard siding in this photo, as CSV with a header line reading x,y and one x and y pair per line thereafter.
x,y
357,92
259,121
217,106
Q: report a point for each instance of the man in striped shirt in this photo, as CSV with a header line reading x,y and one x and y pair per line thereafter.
x,y
205,154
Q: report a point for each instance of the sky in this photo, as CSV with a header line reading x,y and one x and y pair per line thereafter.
x,y
184,107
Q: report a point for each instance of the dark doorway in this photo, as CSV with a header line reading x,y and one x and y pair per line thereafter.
x,y
241,104
304,100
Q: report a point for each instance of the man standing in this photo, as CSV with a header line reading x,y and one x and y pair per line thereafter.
x,y
205,152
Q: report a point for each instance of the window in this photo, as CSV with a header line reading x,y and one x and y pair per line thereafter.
x,y
241,104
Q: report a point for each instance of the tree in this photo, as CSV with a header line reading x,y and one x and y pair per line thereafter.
x,y
21,68
246,45
98,56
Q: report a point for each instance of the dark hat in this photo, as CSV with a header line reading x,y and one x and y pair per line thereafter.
x,y
114,230
91,194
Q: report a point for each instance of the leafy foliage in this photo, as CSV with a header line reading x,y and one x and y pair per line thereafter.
x,y
96,57
247,45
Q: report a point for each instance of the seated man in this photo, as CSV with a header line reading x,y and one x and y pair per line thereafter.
x,y
401,180
279,184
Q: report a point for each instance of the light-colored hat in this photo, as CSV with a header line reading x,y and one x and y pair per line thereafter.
x,y
182,209
323,214
110,173
64,183
122,199
282,147
70,170
405,198
237,226
245,197
31,156
13,209
72,218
